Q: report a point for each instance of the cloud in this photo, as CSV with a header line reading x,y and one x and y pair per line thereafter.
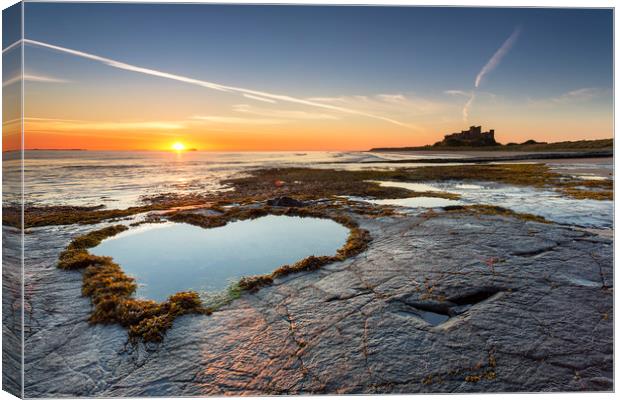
x,y
392,98
576,96
497,57
66,125
265,116
458,93
238,120
327,99
286,114
33,78
211,85
398,104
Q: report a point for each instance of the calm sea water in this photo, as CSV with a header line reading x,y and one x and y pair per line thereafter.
x,y
119,179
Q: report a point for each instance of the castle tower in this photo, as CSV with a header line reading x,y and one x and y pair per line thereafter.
x,y
477,130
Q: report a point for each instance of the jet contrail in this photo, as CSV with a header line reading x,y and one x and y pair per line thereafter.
x,y
497,57
210,85
490,66
12,46
467,106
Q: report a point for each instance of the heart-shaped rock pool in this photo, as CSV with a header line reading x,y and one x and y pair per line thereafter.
x,y
167,258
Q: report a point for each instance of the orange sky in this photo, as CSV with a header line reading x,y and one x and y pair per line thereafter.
x,y
127,111
73,115
356,136
137,78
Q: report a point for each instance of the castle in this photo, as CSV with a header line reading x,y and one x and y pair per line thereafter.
x,y
472,137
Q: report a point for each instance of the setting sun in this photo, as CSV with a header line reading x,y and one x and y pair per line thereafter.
x,y
178,146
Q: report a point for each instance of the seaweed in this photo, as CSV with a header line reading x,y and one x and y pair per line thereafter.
x,y
110,291
315,183
93,238
483,209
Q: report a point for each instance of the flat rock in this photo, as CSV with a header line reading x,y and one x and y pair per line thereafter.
x,y
536,318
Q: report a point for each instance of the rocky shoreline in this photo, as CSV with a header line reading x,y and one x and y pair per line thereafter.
x,y
450,302
488,159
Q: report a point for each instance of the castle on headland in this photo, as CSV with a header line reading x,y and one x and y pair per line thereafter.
x,y
471,137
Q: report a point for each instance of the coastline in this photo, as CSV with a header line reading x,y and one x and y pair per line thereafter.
x,y
452,276
500,158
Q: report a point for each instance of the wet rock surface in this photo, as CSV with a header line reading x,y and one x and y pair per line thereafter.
x,y
453,303
285,201
12,312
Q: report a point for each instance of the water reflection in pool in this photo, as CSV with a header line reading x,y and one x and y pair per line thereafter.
x,y
170,257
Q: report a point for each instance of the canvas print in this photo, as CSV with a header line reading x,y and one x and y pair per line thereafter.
x,y
228,199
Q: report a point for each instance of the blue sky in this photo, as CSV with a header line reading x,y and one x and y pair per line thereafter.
x,y
429,56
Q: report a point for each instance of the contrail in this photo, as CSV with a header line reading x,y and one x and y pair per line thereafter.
x,y
32,78
210,85
497,57
249,96
490,66
467,106
11,46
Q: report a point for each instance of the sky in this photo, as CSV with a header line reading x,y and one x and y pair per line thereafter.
x,y
254,78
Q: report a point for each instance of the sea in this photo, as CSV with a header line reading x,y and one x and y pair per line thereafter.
x,y
119,179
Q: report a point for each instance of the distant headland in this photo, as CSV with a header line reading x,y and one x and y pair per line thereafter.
x,y
475,139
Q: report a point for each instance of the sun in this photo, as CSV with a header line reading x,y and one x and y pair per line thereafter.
x,y
178,146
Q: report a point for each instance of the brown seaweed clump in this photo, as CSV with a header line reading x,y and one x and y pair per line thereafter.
x,y
483,209
111,291
67,215
76,255
312,183
318,183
